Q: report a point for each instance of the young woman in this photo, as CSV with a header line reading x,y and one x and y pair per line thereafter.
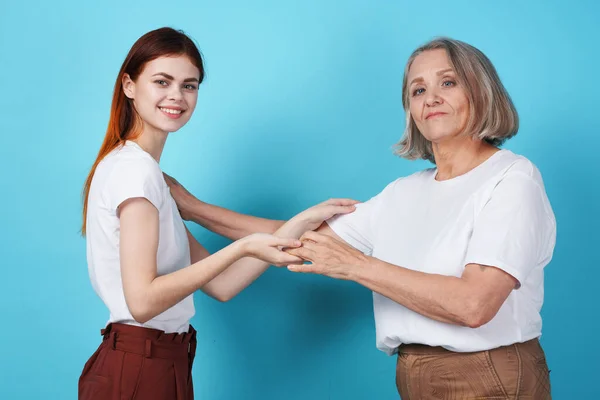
x,y
143,262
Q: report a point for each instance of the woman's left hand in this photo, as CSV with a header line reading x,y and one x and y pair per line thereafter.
x,y
329,256
311,218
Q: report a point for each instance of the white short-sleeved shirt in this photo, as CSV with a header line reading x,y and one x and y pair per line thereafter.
x,y
130,172
497,214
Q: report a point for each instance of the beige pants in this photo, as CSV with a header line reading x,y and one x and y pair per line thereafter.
x,y
518,371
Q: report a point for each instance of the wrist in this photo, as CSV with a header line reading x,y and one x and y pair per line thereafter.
x,y
296,226
240,248
355,271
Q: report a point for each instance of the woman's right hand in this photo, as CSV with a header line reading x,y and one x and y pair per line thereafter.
x,y
269,249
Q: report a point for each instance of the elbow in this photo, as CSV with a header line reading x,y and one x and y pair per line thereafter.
x,y
140,313
477,314
223,297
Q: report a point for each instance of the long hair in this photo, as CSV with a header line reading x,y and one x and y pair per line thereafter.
x,y
124,122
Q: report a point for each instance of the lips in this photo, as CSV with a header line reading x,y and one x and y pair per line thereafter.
x,y
435,114
172,113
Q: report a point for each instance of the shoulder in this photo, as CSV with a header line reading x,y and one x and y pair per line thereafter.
x,y
520,183
513,165
416,179
128,162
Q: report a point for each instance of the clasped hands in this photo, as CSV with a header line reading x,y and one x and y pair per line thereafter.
x,y
327,256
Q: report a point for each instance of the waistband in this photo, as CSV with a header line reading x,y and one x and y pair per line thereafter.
x,y
415,348
149,342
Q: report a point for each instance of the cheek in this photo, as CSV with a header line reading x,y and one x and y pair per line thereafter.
x,y
415,111
462,103
191,100
147,98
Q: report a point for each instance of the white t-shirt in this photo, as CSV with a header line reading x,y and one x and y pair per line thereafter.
x,y
129,172
496,214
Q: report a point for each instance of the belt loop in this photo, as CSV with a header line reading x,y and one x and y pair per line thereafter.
x,y
148,349
106,331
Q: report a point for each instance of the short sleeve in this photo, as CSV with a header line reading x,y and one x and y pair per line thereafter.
x,y
356,228
137,178
516,230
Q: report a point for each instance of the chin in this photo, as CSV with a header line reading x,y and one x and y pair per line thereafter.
x,y
171,127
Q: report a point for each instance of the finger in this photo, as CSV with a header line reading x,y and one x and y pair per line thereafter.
x,y
313,236
285,242
287,259
342,209
301,252
300,261
305,268
342,202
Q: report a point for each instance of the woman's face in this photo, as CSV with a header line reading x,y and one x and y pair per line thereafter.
x,y
438,104
165,93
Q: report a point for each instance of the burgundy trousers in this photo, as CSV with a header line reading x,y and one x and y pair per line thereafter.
x,y
140,363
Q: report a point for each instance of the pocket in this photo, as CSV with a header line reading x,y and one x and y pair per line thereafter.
x,y
402,377
95,387
157,380
131,372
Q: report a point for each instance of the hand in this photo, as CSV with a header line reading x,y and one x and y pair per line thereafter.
x,y
181,196
311,218
269,248
328,256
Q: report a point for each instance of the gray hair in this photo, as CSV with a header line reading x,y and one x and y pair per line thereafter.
x,y
492,114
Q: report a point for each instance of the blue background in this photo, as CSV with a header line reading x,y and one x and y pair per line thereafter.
x,y
302,102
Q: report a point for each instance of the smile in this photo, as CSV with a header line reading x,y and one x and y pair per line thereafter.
x,y
171,112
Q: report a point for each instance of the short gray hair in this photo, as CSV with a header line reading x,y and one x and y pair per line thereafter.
x,y
492,114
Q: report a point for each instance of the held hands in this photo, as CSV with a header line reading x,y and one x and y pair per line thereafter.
x,y
269,248
329,256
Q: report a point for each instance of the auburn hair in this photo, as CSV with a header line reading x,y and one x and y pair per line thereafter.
x,y
124,122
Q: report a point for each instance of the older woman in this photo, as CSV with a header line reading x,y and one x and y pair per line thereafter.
x,y
455,254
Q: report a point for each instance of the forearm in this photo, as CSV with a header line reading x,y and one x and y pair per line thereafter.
x,y
163,292
443,298
228,223
245,271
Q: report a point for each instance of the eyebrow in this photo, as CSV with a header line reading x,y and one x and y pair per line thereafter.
x,y
171,78
420,79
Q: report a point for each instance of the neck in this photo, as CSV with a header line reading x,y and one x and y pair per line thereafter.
x,y
153,142
458,156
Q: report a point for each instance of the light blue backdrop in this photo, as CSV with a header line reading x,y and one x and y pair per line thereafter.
x,y
302,102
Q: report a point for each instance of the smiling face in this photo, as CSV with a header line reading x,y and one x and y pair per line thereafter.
x,y
165,93
439,105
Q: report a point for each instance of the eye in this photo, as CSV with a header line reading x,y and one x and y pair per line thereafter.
x,y
448,83
418,91
161,82
190,87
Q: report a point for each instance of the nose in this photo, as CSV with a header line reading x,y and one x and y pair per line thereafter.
x,y
432,97
175,93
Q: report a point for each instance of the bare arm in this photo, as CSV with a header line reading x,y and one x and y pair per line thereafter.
x,y
243,272
228,223
471,300
225,222
147,294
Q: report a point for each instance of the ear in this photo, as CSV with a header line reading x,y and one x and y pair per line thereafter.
x,y
128,86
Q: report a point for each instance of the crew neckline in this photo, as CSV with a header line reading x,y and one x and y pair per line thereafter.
x,y
468,173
